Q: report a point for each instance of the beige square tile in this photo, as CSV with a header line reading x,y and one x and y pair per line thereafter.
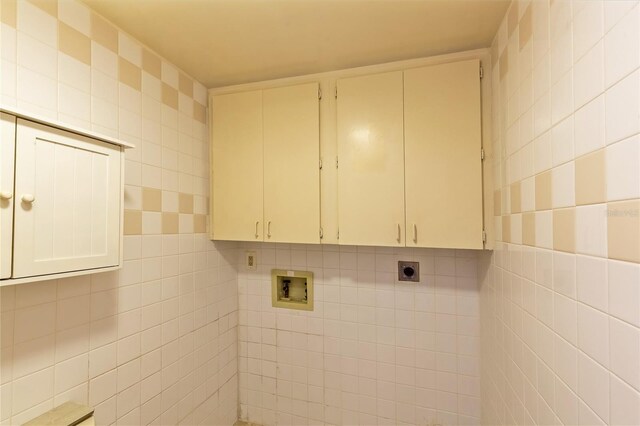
x,y
74,43
169,96
590,178
49,6
543,191
151,63
185,203
185,84
132,222
623,230
504,64
8,15
512,18
151,199
199,112
169,223
516,198
564,230
506,229
104,33
525,27
529,229
199,223
129,74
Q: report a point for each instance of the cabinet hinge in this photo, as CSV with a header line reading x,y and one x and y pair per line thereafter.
x,y
321,164
481,72
336,162
319,93
482,154
321,233
336,94
484,236
338,234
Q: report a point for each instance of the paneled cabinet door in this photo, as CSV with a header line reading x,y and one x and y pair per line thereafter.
x,y
68,198
237,198
443,167
7,155
371,160
291,164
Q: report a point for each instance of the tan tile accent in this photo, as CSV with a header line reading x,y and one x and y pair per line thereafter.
x,y
564,230
590,178
526,27
497,202
8,14
129,74
132,222
151,199
529,228
543,191
49,6
504,64
151,63
623,230
186,85
512,18
104,33
169,223
199,112
185,203
74,43
199,223
516,198
169,96
506,229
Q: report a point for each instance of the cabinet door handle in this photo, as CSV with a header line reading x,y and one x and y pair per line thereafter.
x,y
269,229
415,233
257,222
28,198
399,230
6,195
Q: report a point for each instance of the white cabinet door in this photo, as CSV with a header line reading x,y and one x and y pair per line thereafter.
x,y
236,166
371,160
7,156
291,164
443,168
68,202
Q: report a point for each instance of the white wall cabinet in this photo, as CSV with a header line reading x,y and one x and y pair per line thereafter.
x,y
64,206
265,165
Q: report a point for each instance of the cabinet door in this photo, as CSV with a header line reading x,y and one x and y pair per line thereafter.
x,y
68,202
291,164
7,156
371,160
236,166
443,168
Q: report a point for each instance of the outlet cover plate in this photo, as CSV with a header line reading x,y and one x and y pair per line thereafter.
x,y
408,271
251,260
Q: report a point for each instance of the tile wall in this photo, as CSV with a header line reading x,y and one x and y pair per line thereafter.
x,y
560,302
155,342
373,351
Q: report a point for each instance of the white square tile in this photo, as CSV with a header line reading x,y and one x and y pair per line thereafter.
x,y
623,173
563,185
591,230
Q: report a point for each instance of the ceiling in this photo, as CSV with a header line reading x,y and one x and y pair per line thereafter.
x,y
225,42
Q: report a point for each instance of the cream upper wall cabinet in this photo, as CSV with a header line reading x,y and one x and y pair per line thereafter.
x,y
265,165
237,166
7,156
371,160
62,196
291,164
443,166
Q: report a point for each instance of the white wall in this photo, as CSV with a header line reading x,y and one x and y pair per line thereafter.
x,y
561,293
373,351
156,341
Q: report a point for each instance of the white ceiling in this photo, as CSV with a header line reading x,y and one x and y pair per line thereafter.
x,y
225,42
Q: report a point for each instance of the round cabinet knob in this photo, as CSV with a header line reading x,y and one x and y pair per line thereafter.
x,y
28,198
6,195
